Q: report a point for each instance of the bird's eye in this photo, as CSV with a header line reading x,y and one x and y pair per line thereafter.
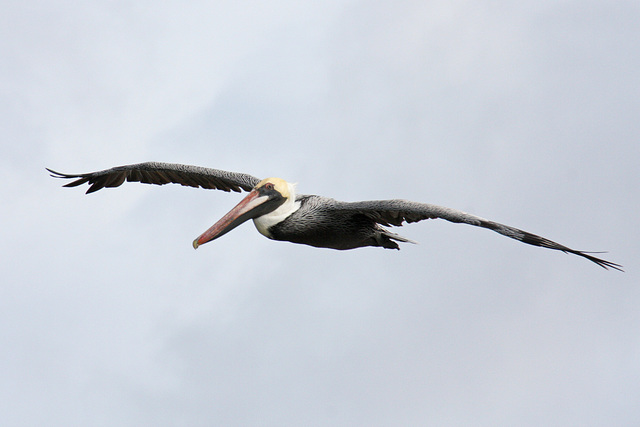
x,y
268,186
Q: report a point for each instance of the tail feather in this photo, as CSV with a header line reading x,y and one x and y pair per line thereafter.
x,y
388,240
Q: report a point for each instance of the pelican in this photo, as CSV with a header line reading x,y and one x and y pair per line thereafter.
x,y
280,214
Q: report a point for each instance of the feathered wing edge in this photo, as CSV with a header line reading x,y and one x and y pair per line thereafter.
x,y
160,174
395,212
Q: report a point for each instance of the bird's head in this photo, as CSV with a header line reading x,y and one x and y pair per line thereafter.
x,y
267,196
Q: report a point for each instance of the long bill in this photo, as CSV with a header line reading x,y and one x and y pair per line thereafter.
x,y
250,207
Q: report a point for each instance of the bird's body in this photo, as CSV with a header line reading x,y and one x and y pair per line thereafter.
x,y
280,214
327,223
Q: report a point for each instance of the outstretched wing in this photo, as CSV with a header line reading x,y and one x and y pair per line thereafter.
x,y
395,212
160,174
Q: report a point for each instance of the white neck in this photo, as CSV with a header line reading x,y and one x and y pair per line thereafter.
x,y
264,222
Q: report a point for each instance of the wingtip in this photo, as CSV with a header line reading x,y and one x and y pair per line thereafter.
x,y
613,266
54,174
601,262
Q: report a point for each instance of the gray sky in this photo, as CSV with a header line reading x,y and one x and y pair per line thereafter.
x,y
522,112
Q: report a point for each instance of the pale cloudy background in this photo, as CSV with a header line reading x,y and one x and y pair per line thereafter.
x,y
524,112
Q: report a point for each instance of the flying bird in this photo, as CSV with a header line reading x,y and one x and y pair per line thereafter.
x,y
280,214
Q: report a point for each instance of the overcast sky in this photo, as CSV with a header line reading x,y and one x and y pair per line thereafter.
x,y
526,113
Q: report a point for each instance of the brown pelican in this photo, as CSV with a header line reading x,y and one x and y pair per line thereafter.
x,y
281,214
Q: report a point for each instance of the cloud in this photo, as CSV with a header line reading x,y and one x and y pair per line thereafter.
x,y
519,113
